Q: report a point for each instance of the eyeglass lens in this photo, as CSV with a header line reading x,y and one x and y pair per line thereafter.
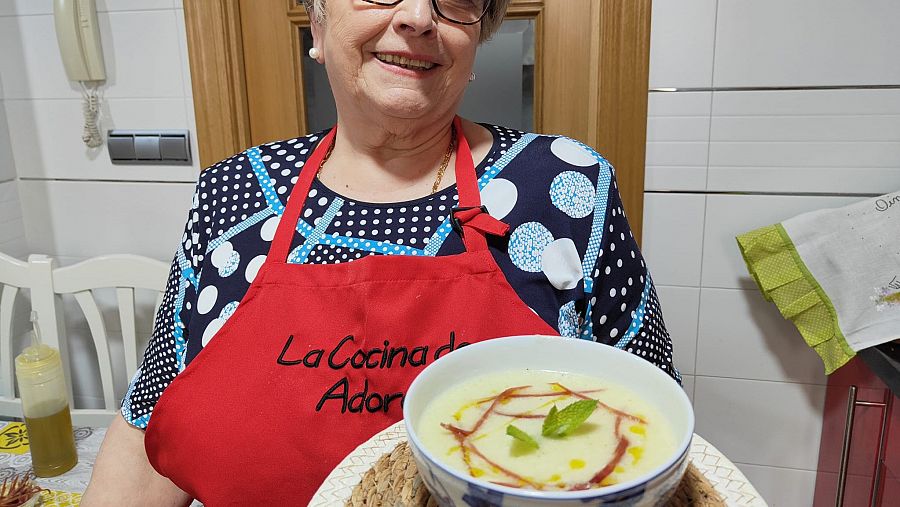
x,y
458,11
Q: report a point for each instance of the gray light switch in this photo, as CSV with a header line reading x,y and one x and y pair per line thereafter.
x,y
173,148
149,147
121,148
146,147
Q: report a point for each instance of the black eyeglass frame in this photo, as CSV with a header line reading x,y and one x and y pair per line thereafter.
x,y
434,4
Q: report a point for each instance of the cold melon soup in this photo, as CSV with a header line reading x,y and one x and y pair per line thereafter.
x,y
545,430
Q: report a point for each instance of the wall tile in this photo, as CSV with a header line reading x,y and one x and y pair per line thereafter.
x,y
828,141
688,381
806,115
741,335
808,42
15,247
12,227
48,142
60,215
183,52
680,306
673,236
144,48
730,215
8,192
30,7
192,125
7,167
677,140
25,7
140,50
681,43
781,487
135,5
30,62
10,210
770,423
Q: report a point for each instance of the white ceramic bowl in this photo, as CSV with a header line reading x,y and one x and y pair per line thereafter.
x,y
452,488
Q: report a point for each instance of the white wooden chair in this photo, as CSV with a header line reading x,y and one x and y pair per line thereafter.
x,y
35,277
14,275
47,283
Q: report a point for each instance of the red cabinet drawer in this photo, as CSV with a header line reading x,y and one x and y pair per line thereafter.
x,y
865,437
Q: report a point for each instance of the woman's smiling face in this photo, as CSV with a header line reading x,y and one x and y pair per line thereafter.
x,y
401,62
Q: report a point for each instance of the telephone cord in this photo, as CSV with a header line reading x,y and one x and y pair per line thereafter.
x,y
91,110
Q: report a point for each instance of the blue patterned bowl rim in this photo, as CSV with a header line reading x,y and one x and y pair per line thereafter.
x,y
614,491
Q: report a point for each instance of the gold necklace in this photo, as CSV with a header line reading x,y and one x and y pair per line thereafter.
x,y
445,161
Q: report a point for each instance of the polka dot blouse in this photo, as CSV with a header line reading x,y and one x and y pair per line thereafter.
x,y
570,255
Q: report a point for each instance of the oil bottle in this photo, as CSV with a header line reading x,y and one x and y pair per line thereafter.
x,y
42,387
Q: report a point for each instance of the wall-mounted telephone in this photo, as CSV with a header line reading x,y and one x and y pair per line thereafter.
x,y
78,35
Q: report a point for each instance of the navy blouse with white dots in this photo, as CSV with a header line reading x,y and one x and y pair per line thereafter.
x,y
570,255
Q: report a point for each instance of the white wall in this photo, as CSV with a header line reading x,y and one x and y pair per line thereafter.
x,y
12,229
74,203
723,160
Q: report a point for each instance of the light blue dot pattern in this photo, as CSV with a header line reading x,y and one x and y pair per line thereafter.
x,y
126,401
587,328
573,194
527,244
265,181
368,245
231,265
228,310
304,228
638,319
255,218
187,272
568,320
178,333
604,179
301,253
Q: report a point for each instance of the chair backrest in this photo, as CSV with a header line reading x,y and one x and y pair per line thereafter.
x,y
35,276
125,274
47,283
13,277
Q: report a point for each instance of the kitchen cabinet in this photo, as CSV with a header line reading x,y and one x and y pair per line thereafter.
x,y
872,460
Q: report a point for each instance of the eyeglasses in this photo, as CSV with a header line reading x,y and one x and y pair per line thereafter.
x,y
462,12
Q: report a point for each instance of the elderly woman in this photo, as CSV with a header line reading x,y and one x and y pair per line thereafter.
x,y
317,276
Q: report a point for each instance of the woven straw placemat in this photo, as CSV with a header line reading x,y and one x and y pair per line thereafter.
x,y
393,481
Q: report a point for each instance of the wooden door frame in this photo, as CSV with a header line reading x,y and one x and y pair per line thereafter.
x,y
616,35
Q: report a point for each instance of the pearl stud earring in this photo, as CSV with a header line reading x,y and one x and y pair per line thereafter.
x,y
314,53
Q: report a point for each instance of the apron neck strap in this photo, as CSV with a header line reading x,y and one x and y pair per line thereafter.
x,y
469,219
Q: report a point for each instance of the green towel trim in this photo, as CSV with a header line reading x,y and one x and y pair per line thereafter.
x,y
784,279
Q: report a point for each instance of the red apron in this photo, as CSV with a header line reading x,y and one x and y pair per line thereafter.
x,y
316,358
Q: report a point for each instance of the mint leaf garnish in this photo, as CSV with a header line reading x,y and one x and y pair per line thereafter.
x,y
560,423
521,436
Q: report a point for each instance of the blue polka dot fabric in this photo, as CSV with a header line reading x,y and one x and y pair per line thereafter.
x,y
570,255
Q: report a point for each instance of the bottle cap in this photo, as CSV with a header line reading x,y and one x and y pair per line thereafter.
x,y
37,358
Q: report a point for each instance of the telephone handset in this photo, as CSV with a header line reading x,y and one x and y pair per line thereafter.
x,y
78,35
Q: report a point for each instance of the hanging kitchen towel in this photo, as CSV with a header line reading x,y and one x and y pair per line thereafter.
x,y
835,273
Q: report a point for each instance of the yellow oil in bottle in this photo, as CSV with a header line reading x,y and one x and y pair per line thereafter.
x,y
52,443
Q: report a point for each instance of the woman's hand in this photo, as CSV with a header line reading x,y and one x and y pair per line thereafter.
x,y
123,476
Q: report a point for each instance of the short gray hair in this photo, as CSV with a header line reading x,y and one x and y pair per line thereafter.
x,y
489,25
